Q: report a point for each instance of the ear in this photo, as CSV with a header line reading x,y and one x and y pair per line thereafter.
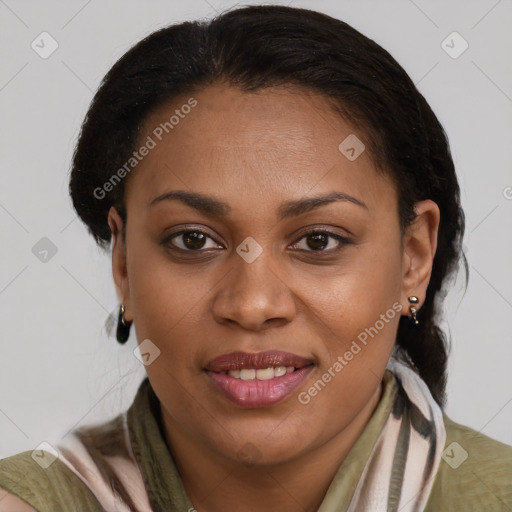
x,y
419,246
119,268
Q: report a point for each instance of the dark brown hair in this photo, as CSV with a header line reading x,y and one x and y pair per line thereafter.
x,y
257,47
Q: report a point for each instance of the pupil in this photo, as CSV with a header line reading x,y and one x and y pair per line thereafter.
x,y
193,240
320,239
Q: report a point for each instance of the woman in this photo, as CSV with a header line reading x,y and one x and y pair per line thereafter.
x,y
285,220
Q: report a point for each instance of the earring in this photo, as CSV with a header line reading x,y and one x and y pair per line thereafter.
x,y
123,326
413,300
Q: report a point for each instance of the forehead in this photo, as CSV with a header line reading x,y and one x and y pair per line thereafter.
x,y
278,142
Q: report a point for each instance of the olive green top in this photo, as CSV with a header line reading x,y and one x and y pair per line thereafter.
x,y
475,473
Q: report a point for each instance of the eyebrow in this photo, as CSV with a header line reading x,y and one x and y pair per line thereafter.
x,y
211,206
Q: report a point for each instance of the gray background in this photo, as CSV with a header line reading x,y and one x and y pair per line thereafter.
x,y
59,368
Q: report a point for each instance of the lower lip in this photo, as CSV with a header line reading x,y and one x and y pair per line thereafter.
x,y
259,393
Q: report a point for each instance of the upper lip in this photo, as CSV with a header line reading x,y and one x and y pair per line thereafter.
x,y
241,360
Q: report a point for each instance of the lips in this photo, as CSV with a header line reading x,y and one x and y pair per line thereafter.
x,y
258,379
242,360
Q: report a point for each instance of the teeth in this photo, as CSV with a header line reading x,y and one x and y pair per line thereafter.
x,y
267,373
280,371
261,373
247,374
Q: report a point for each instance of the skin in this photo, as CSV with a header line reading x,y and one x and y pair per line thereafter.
x,y
11,503
255,151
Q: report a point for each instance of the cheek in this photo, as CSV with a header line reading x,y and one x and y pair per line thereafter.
x,y
165,297
357,311
354,295
359,328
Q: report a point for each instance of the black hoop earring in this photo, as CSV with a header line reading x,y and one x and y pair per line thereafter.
x,y
123,327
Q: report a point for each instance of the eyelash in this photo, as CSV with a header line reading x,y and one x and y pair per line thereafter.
x,y
343,240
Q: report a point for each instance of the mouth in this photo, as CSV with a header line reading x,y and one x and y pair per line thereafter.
x,y
258,379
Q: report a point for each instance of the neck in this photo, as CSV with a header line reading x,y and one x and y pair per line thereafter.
x,y
216,484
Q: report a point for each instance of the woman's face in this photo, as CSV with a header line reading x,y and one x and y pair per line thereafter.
x,y
245,288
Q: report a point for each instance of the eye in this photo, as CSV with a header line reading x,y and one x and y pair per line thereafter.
x,y
315,240
318,240
190,240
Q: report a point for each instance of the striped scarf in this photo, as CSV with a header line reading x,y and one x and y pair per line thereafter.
x,y
398,475
400,471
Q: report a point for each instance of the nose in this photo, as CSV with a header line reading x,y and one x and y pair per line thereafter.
x,y
254,296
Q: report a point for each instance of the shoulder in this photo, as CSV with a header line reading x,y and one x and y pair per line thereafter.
x,y
475,472
45,484
11,503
